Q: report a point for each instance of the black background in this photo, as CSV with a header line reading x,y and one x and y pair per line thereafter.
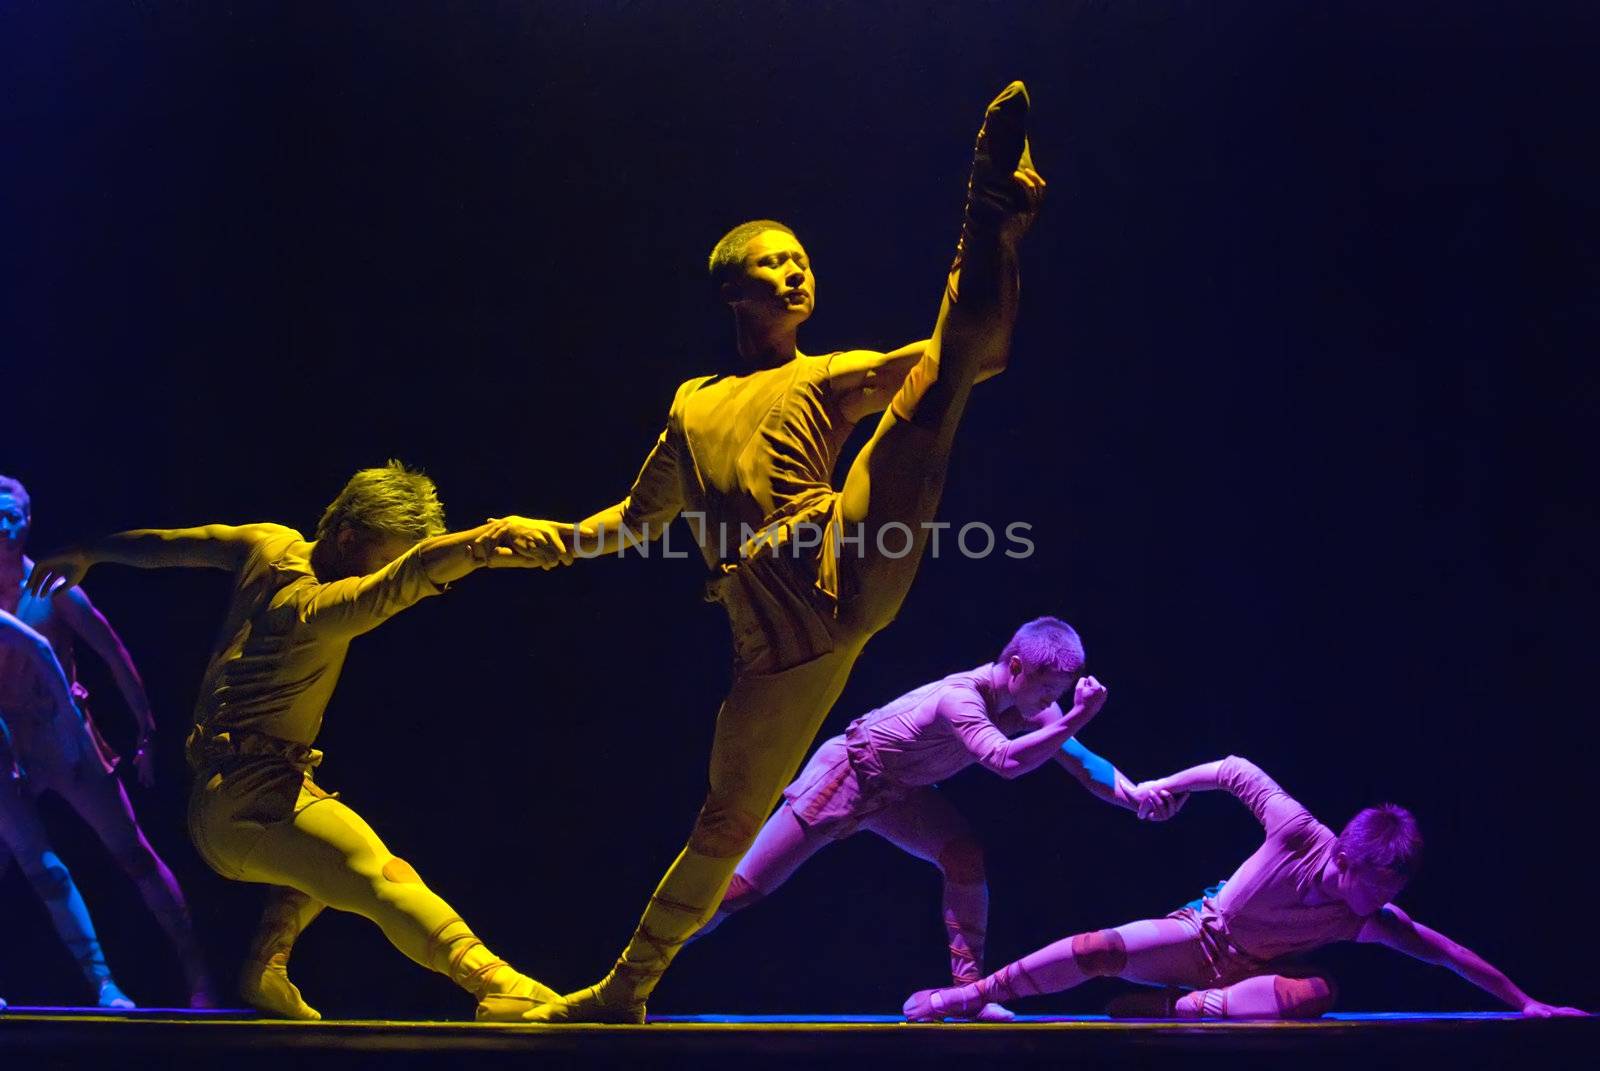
x,y
1301,411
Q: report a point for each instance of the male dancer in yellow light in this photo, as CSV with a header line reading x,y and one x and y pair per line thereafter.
x,y
826,568
255,813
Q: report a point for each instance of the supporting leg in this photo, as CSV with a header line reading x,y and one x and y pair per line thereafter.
x,y
264,977
103,803
330,854
25,836
928,827
763,731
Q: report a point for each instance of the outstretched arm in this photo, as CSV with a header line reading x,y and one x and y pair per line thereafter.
x,y
1104,780
864,381
87,621
357,604
1393,927
212,546
1243,779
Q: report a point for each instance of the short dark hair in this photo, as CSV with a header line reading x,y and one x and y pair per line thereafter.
x,y
10,485
392,500
727,255
1384,836
1048,643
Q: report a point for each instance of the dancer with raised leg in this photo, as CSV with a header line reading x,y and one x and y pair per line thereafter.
x,y
1231,954
255,813
86,780
50,726
880,775
825,569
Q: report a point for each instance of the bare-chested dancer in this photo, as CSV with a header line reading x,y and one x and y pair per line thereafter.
x,y
83,777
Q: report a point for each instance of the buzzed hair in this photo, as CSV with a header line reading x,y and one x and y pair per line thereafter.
x,y
727,256
1046,643
1384,836
392,500
10,485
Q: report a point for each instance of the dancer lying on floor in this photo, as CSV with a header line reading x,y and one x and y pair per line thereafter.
x,y
1302,889
880,774
255,814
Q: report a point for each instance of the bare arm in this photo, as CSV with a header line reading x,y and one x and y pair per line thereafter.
x,y
1393,927
1014,756
30,644
87,621
212,546
1241,778
864,381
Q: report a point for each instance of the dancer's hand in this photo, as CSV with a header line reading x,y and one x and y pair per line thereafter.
x,y
1155,804
1538,1010
1032,185
62,570
1089,696
530,544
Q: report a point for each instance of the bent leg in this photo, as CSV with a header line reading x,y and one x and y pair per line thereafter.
x,y
24,835
330,854
103,803
783,844
1267,996
1154,951
928,827
264,977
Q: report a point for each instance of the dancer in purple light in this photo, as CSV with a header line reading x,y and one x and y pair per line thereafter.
x,y
880,775
56,724
77,765
1302,889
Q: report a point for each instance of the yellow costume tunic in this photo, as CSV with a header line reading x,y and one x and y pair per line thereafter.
x,y
749,459
264,693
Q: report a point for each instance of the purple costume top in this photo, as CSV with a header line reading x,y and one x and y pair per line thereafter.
x,y
1270,908
919,739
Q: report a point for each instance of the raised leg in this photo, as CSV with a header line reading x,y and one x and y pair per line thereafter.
x,y
896,481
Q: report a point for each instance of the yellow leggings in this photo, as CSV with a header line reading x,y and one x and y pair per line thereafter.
x,y
265,821
792,658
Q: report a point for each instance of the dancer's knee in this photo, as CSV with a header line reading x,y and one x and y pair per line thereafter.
x,y
961,861
400,872
723,830
1100,954
1304,998
740,895
50,878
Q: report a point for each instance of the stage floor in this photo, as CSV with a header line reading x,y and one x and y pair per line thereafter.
x,y
230,1041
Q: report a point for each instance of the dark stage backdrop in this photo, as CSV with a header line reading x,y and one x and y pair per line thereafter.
x,y
1301,411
